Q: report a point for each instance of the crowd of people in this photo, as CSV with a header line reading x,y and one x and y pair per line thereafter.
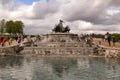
x,y
9,40
88,38
110,39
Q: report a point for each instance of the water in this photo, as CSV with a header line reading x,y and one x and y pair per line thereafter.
x,y
56,68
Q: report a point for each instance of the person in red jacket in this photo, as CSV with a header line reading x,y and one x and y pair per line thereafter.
x,y
3,41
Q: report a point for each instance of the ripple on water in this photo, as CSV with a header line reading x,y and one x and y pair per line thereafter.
x,y
58,68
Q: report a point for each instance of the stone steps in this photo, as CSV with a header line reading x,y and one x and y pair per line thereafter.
x,y
61,44
58,51
56,47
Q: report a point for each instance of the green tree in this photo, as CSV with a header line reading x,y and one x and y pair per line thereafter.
x,y
10,26
14,27
19,26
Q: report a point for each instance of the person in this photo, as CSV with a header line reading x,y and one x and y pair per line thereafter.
x,y
89,40
106,37
10,41
16,38
99,42
3,41
19,40
109,39
29,38
114,40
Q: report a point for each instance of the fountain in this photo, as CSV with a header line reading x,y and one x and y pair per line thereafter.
x,y
60,42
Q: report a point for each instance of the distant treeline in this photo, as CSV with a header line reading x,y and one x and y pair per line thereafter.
x,y
11,27
117,36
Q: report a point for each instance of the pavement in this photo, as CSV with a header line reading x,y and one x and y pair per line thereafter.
x,y
105,43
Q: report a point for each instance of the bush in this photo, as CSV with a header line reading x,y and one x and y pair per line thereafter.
x,y
117,36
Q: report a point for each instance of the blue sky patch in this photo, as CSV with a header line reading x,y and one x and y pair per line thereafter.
x,y
28,1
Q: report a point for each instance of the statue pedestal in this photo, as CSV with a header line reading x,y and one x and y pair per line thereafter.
x,y
61,37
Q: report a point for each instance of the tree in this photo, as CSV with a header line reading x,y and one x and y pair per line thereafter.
x,y
19,25
14,27
10,26
2,25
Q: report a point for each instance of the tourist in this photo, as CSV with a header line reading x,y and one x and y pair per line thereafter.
x,y
19,40
29,38
114,40
3,41
0,40
89,40
106,37
10,41
16,38
99,42
109,39
23,37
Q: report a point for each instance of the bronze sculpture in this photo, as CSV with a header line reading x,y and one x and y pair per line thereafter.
x,y
60,28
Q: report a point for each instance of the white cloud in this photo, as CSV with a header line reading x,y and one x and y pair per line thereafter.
x,y
85,25
41,9
81,15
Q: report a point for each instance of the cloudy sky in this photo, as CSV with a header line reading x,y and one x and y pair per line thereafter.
x,y
83,16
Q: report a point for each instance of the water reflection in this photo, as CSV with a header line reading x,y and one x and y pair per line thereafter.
x,y
58,68
8,65
11,61
61,65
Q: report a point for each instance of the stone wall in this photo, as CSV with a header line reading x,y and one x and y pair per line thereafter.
x,y
9,50
13,49
110,52
86,50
